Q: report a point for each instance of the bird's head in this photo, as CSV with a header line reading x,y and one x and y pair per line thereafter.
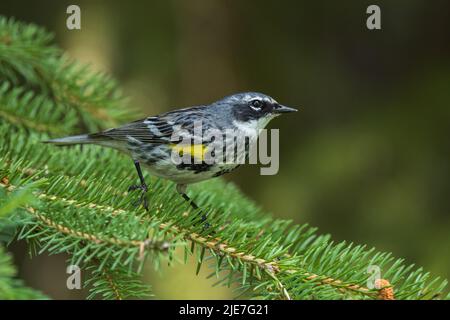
x,y
253,109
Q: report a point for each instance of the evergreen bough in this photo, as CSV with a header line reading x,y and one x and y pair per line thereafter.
x,y
73,200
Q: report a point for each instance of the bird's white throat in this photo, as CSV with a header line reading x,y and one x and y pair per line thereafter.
x,y
251,128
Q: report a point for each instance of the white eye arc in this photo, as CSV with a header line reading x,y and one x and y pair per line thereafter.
x,y
256,105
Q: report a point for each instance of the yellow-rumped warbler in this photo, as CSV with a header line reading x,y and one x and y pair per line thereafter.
x,y
151,141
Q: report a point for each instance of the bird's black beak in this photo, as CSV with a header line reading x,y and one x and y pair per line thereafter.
x,y
283,109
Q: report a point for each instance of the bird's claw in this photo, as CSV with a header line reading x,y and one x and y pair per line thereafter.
x,y
206,226
142,187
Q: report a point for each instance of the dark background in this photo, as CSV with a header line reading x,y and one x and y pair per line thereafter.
x,y
366,159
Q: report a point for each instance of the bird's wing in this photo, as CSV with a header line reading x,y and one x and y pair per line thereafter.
x,y
157,129
149,130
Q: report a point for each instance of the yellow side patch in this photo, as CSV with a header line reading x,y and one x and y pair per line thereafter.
x,y
195,150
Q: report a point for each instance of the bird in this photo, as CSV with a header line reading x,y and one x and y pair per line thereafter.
x,y
150,141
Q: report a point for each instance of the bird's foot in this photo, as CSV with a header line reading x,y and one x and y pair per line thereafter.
x,y
182,191
142,187
143,197
204,221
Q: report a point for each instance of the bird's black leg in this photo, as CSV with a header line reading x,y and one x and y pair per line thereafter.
x,y
181,188
191,202
143,187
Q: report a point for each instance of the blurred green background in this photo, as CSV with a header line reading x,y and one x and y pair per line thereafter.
x,y
366,159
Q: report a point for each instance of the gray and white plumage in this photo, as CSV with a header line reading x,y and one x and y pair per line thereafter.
x,y
148,140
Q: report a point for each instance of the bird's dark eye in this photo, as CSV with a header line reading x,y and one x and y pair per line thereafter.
x,y
256,105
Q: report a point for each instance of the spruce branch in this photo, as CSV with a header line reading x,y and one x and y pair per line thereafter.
x,y
116,284
10,286
28,58
39,115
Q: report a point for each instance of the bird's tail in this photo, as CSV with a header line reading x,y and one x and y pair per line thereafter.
x,y
71,140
